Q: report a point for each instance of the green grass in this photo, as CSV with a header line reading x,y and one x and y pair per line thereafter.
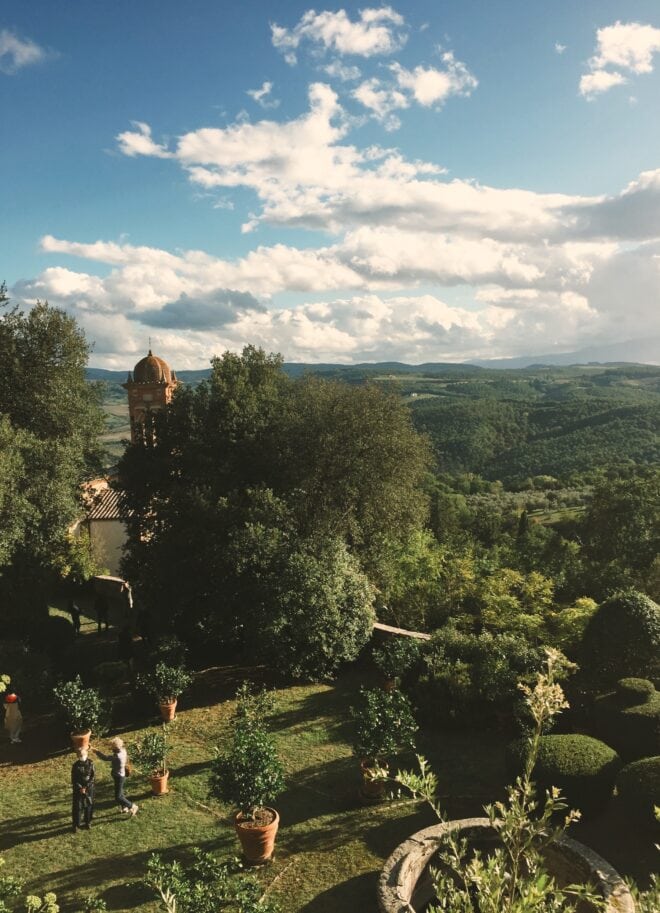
x,y
330,848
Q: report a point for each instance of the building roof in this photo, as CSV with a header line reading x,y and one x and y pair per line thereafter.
x,y
153,370
107,504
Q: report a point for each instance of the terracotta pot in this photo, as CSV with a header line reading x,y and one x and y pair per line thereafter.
x,y
81,739
159,783
389,684
168,710
257,840
371,790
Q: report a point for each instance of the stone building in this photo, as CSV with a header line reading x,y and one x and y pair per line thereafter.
x,y
150,387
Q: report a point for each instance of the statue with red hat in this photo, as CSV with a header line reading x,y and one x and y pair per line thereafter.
x,y
13,715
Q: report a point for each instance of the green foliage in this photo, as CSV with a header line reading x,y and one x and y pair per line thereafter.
x,y
263,504
384,724
513,876
150,752
82,707
165,682
11,888
622,639
397,656
249,774
638,787
582,768
205,886
472,679
50,420
628,719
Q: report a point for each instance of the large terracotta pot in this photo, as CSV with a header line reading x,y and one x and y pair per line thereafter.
x,y
371,790
257,840
405,885
159,783
389,684
168,710
81,739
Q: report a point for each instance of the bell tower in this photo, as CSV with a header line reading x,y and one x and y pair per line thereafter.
x,y
150,388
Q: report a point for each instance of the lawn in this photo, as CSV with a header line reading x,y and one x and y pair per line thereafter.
x,y
330,847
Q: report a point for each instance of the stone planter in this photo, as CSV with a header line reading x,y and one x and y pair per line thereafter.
x,y
168,710
405,884
257,841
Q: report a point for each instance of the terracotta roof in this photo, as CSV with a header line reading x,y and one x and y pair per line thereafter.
x,y
153,370
107,504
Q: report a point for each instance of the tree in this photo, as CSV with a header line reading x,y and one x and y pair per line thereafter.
x,y
260,503
50,419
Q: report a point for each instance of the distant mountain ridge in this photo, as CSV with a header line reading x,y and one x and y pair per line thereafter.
x,y
640,351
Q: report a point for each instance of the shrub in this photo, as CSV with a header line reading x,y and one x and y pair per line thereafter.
x,y
82,707
396,656
638,786
249,775
150,752
582,768
471,679
110,674
165,682
629,718
168,649
384,724
622,639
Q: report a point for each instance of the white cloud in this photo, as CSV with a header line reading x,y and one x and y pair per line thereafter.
x,y
430,86
375,32
625,46
140,142
559,48
16,53
262,96
339,70
592,84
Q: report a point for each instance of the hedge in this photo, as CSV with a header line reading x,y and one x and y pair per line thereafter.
x,y
628,719
638,787
582,768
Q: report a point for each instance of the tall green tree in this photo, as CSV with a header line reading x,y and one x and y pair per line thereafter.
x,y
50,419
311,480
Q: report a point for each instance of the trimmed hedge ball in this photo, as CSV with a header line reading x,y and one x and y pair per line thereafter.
x,y
629,718
582,768
638,788
622,638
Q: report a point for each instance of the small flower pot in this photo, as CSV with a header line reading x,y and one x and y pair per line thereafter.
x,y
168,710
257,840
159,783
371,790
81,739
389,684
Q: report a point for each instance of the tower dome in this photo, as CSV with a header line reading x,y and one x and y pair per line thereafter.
x,y
152,370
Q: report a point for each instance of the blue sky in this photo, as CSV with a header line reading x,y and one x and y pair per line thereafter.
x,y
424,181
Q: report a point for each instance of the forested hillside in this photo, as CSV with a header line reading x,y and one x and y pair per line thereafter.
x,y
565,422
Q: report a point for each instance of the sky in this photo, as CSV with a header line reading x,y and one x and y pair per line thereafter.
x,y
438,180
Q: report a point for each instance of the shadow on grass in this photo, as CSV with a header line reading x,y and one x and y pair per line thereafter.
x,y
33,828
357,893
129,869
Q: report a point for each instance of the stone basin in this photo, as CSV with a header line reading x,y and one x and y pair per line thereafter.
x,y
405,884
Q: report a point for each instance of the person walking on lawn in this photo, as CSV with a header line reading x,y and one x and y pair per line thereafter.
x,y
82,784
118,766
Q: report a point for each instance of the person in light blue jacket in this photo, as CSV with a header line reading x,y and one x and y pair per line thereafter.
x,y
118,767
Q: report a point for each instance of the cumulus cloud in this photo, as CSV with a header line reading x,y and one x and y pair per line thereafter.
x,y
16,53
336,69
559,48
628,46
262,96
374,32
139,142
209,312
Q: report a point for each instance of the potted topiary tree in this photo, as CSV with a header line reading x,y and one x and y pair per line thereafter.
x,y
384,726
150,754
250,776
166,683
395,658
83,709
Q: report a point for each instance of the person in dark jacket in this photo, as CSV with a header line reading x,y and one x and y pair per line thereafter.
x,y
82,784
102,609
74,612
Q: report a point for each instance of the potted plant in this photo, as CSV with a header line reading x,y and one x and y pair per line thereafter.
x,y
83,709
384,726
250,776
395,658
150,754
166,683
